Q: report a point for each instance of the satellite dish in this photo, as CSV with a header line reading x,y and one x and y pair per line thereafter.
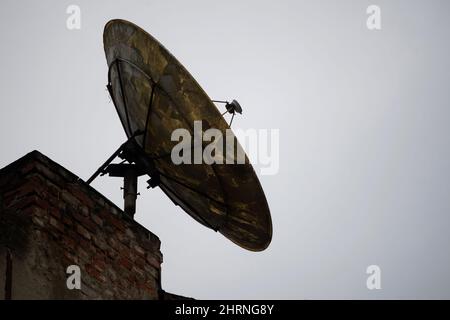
x,y
154,95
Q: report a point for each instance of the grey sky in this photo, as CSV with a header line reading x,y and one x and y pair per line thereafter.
x,y
363,117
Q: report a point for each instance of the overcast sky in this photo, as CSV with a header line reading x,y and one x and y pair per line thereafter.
x,y
363,116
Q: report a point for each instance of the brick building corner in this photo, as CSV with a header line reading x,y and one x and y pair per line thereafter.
x,y
49,220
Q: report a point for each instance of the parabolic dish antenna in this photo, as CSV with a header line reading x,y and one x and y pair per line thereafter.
x,y
154,95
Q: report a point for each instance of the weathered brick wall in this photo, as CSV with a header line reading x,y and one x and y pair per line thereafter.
x,y
50,220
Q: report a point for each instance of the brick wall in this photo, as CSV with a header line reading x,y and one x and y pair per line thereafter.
x,y
50,220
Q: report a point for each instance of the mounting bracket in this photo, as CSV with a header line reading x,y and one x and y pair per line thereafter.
x,y
128,171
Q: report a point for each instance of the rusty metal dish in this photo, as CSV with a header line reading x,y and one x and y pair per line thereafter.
x,y
153,93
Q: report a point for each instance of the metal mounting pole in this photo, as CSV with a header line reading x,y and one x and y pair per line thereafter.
x,y
130,181
130,174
